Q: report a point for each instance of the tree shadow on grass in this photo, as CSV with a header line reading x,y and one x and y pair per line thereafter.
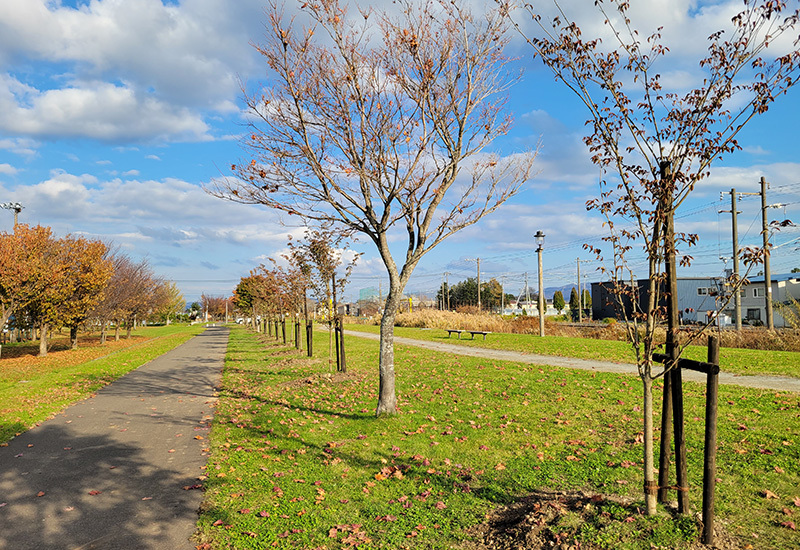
x,y
59,490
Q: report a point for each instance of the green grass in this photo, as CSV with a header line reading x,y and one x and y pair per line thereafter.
x,y
32,389
733,360
298,459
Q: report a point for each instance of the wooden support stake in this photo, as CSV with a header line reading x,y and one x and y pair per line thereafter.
x,y
341,344
666,441
310,337
297,335
336,343
710,453
681,471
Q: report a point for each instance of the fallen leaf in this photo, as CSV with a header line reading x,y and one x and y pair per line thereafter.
x,y
95,492
766,493
40,494
789,525
796,501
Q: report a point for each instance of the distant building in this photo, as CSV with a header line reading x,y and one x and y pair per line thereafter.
x,y
699,298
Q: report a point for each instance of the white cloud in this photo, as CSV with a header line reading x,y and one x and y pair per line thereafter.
x,y
20,146
7,169
132,70
102,111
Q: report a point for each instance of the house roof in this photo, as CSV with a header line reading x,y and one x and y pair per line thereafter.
x,y
782,277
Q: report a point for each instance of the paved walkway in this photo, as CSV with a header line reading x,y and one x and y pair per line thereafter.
x,y
116,471
777,383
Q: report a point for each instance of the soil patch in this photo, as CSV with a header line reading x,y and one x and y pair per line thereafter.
x,y
552,520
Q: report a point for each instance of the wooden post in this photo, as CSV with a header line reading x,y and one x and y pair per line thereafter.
x,y
310,337
666,441
336,343
334,324
341,344
681,471
710,453
297,334
283,329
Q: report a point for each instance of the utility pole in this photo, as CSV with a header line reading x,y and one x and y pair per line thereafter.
x,y
767,273
737,297
441,303
447,283
479,279
540,242
527,292
502,294
580,290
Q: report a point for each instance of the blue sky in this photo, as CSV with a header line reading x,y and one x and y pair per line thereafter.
x,y
115,113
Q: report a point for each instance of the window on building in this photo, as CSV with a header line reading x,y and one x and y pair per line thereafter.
x,y
753,314
702,291
758,292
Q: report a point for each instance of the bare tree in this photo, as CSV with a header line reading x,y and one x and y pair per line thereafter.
x,y
657,145
372,134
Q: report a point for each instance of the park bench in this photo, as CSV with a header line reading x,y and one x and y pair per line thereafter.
x,y
450,331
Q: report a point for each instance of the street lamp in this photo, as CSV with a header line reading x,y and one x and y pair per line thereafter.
x,y
15,206
540,242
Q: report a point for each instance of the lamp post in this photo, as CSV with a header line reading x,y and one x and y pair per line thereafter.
x,y
540,242
15,206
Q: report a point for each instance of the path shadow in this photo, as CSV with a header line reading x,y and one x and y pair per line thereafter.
x,y
59,491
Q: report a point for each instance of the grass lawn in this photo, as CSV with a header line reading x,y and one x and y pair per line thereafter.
x,y
298,459
34,388
733,360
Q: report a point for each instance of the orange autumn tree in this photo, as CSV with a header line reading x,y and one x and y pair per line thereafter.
x,y
88,270
22,268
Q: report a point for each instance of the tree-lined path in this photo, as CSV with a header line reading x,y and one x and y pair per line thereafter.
x,y
118,470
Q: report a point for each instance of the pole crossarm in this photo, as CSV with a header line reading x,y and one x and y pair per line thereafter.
x,y
691,364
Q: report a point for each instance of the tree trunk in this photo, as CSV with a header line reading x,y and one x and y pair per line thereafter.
x,y
43,341
387,397
650,485
73,336
116,330
129,327
103,331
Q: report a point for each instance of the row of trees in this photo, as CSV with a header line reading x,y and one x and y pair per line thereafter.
x,y
280,291
465,294
49,283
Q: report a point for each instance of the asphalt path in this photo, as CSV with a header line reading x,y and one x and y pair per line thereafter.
x,y
777,383
118,470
